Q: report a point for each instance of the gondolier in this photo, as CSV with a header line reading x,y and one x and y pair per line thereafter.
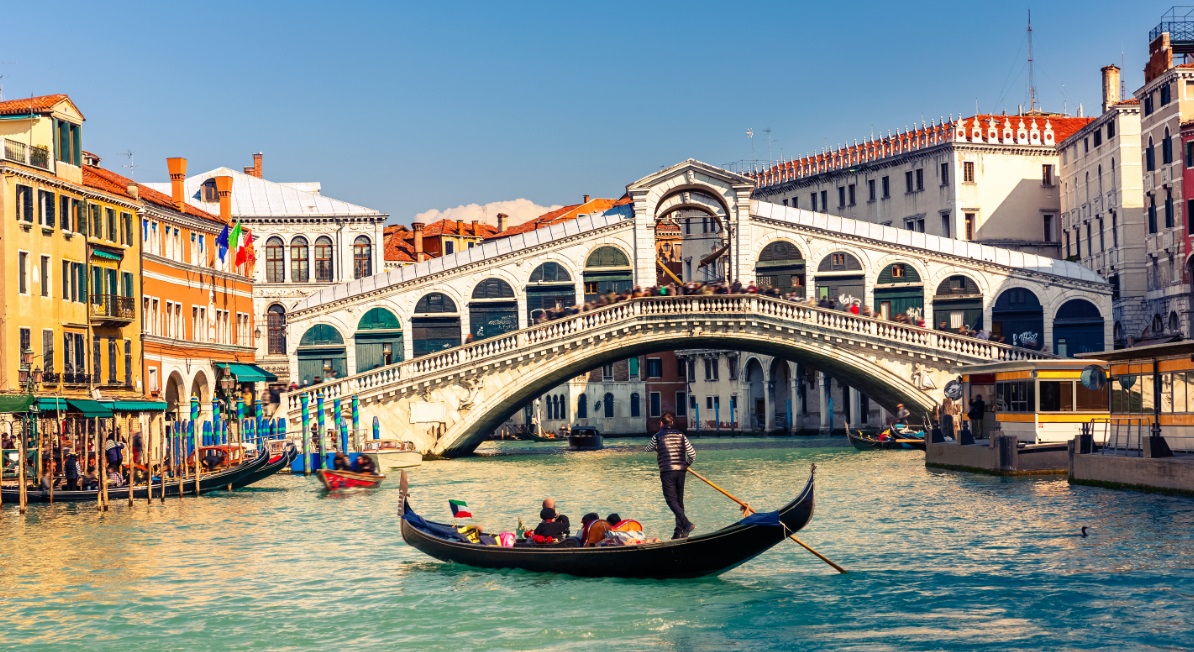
x,y
674,453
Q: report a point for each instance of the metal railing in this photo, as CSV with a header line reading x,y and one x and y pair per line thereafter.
x,y
38,157
72,378
627,313
112,306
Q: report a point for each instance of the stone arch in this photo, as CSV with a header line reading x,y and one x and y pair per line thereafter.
x,y
1078,327
958,300
899,290
840,272
493,308
779,387
202,388
177,395
781,264
321,349
1018,317
434,323
607,269
378,339
551,284
275,329
754,373
275,259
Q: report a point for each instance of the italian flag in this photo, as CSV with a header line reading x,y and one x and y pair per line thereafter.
x,y
459,509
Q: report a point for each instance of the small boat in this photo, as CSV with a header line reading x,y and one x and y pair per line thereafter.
x,y
231,478
697,556
868,443
279,457
390,454
333,480
585,438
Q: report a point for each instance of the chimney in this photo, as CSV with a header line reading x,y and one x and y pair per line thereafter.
x,y
475,230
418,227
586,200
178,174
255,170
224,190
503,219
134,191
1110,87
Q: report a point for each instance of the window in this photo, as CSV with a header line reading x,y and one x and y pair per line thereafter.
x,y
908,181
362,257
1102,238
111,360
841,196
1115,228
209,191
886,187
299,263
946,226
276,330
838,260
45,202
632,367
945,174
607,372
26,340
97,360
128,363
870,190
110,223
681,404
67,144
824,200
97,223
1047,176
732,365
654,405
850,193
582,407
323,260
1015,396
1098,137
1167,148
1168,208
1057,396
690,369
1085,146
1149,161
915,224
969,226
1152,214
275,261
45,276
1067,244
813,200
897,271
25,203
654,368
1048,219
968,171
607,402
47,351
449,247
1164,94
711,368
1110,130
795,202
1190,153
68,211
23,272
635,408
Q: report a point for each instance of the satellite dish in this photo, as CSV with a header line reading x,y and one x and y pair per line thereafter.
x,y
1093,377
953,390
1126,382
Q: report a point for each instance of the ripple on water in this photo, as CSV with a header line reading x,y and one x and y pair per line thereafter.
x,y
938,560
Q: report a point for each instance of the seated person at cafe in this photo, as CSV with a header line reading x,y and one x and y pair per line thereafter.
x,y
550,527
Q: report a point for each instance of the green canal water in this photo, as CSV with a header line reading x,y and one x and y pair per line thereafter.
x,y
938,560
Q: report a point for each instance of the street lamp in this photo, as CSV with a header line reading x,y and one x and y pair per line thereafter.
x,y
256,334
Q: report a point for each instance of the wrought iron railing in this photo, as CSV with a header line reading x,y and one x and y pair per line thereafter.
x,y
21,153
72,378
112,306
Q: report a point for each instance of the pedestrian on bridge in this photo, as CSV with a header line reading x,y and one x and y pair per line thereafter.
x,y
674,454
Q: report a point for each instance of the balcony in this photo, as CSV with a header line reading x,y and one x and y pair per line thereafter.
x,y
112,309
38,157
72,378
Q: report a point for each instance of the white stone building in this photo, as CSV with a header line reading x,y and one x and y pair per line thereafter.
x,y
986,178
1102,206
303,242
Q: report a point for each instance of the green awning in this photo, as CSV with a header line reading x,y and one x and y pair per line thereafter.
x,y
106,255
135,406
14,404
247,373
88,408
52,404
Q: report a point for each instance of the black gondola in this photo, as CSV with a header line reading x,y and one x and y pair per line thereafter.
x,y
865,443
706,554
237,476
289,453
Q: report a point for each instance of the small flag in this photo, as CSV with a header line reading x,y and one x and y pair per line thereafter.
x,y
459,509
246,248
222,243
234,238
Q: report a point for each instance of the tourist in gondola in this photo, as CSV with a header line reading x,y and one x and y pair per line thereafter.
x,y
72,471
674,453
550,529
550,503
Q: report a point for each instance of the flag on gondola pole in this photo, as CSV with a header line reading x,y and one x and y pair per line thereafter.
x,y
459,509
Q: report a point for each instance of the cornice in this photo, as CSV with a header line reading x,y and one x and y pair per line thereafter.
x,y
307,219
225,348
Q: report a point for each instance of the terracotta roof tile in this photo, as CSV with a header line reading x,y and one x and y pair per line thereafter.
x,y
458,228
39,104
563,214
116,184
399,244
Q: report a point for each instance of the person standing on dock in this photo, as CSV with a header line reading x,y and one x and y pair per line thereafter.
x,y
674,453
951,411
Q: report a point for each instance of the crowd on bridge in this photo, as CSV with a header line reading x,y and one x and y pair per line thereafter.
x,y
694,288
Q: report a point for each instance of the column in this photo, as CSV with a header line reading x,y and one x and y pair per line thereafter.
x,y
823,387
768,401
855,407
793,381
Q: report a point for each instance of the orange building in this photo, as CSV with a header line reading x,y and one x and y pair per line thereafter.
x,y
197,312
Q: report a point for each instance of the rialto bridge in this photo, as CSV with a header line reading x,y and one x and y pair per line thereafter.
x,y
397,340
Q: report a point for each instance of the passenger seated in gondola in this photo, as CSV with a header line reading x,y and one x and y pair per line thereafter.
x,y
362,464
340,463
49,478
91,480
213,458
586,522
549,530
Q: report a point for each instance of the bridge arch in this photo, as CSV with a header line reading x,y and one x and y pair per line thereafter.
x,y
899,289
781,264
551,284
492,309
840,272
435,324
607,269
321,349
1078,327
1018,317
379,340
958,301
756,398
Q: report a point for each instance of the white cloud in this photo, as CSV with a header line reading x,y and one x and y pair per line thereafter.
x,y
519,210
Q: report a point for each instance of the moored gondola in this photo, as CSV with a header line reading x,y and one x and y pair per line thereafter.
x,y
237,476
706,554
866,443
276,463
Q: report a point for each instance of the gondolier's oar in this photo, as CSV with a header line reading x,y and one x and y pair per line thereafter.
x,y
748,509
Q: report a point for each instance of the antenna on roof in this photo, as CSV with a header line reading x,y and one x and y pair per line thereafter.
x,y
1031,74
770,140
131,165
750,133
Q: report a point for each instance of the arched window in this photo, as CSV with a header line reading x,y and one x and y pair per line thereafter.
x,y
321,354
1167,148
362,257
435,325
299,260
635,409
493,309
550,272
1158,324
607,256
582,406
275,261
323,260
608,404
1149,159
434,303
378,339
275,320
549,287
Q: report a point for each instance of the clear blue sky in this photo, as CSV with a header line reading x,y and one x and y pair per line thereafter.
x,y
406,108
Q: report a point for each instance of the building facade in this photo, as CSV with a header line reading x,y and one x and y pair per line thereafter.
x,y
986,178
1103,215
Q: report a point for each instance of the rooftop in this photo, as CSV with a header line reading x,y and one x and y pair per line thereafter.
x,y
116,184
35,105
254,197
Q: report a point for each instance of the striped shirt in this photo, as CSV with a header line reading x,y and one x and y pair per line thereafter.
x,y
672,450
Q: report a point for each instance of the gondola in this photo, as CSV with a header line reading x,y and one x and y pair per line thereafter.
x,y
697,556
237,476
333,480
865,443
